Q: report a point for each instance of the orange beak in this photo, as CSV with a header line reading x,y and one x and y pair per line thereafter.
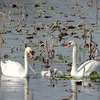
x,y
31,54
68,45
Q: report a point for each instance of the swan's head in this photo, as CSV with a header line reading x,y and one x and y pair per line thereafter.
x,y
71,43
55,70
30,51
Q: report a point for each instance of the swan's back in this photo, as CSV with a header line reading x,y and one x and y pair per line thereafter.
x,y
57,72
89,66
11,68
43,73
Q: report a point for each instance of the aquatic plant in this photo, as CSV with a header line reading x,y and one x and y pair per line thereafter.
x,y
94,75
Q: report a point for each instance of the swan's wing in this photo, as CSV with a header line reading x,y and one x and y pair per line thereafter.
x,y
84,65
13,64
43,73
89,66
12,67
60,73
95,66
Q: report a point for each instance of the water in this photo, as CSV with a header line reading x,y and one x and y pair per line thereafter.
x,y
37,87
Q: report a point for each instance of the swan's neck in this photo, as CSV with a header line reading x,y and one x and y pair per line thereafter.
x,y
74,61
74,56
25,74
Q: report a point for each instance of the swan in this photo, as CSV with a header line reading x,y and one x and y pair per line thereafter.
x,y
48,73
86,68
58,72
15,69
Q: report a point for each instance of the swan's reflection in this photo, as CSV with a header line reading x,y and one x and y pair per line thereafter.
x,y
87,87
74,89
14,88
74,84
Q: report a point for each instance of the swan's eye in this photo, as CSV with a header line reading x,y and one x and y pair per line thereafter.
x,y
69,43
32,52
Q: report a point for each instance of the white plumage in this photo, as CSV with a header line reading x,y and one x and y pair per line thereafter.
x,y
57,72
48,73
15,69
86,68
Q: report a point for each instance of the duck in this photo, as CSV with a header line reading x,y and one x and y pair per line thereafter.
x,y
86,68
15,69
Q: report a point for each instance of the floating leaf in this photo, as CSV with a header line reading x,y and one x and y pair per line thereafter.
x,y
50,8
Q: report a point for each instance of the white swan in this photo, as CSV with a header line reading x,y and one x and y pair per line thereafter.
x,y
86,68
15,69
